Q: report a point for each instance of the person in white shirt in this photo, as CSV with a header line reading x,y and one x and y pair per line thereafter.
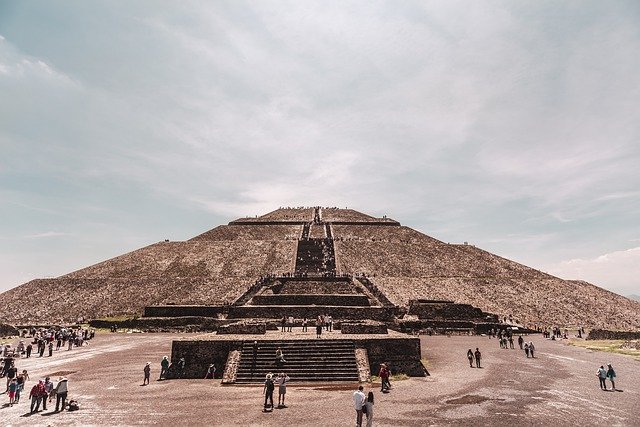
x,y
358,401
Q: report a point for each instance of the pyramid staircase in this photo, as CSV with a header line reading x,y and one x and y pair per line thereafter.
x,y
306,361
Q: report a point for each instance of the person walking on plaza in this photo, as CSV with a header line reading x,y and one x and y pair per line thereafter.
x,y
268,392
283,379
358,402
369,409
611,374
37,392
470,357
601,373
521,342
164,367
61,390
304,324
147,373
181,365
318,328
526,349
531,349
478,357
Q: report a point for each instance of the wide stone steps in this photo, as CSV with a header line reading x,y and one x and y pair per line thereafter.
x,y
305,360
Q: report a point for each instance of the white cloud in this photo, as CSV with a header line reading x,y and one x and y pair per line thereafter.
x,y
46,234
619,270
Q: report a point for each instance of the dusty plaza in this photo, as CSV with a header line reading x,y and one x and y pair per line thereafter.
x,y
557,387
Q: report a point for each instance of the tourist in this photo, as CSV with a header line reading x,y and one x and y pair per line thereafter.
x,y
531,349
283,322
358,402
521,342
470,357
318,328
368,409
147,373
304,324
279,357
526,349
181,364
478,357
511,342
29,350
329,321
211,372
268,391
61,391
601,373
12,387
282,381
611,374
164,367
20,382
384,378
48,388
37,392
290,324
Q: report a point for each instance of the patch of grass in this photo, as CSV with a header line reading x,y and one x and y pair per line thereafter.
x,y
606,346
396,377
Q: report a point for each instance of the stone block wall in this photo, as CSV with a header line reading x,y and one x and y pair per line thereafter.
x,y
243,328
603,334
183,310
291,299
365,327
198,355
402,355
444,310
310,312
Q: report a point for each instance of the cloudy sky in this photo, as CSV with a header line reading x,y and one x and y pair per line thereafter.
x,y
511,125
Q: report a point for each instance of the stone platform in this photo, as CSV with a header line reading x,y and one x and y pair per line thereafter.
x,y
400,351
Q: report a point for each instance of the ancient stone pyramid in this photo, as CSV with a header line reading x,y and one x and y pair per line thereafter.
x,y
219,266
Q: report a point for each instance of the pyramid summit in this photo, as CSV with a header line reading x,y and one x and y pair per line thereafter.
x,y
396,263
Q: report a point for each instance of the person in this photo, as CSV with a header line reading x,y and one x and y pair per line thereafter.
x,y
283,323
384,377
521,342
12,387
511,341
11,372
211,372
279,357
318,328
531,349
290,324
164,367
50,348
304,324
283,379
369,409
147,373
470,357
478,356
358,402
329,320
37,392
268,391
29,349
48,388
601,373
611,374
181,364
526,349
61,391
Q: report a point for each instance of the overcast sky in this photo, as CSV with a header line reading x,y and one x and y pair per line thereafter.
x,y
511,125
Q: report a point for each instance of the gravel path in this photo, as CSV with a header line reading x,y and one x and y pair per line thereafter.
x,y
558,388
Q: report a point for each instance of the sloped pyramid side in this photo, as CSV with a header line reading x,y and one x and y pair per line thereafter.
x,y
406,264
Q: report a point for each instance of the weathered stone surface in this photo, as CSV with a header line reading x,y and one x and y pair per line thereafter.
x,y
602,334
363,327
243,328
7,330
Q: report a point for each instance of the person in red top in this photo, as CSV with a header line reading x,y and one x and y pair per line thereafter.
x,y
384,377
37,392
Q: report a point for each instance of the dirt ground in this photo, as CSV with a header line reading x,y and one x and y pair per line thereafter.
x,y
559,387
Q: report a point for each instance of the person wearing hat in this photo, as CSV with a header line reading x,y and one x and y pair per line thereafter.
x,y
61,391
268,391
147,373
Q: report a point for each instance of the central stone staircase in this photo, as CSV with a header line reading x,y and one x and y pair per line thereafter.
x,y
306,361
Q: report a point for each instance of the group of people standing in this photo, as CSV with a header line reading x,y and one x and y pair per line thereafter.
x,y
323,321
363,406
604,374
269,386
